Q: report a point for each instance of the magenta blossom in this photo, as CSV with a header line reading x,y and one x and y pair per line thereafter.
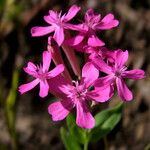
x,y
117,72
79,96
57,24
101,52
41,74
93,23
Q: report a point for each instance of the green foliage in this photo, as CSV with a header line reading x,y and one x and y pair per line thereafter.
x,y
10,107
69,142
9,11
78,133
11,99
105,121
12,9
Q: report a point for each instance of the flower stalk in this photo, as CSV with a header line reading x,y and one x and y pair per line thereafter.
x,y
72,59
53,48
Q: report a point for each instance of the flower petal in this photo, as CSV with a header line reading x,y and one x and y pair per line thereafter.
x,y
81,27
75,40
123,90
101,94
56,84
71,12
121,58
107,54
29,86
94,41
30,69
59,35
101,65
104,81
91,16
89,74
70,26
134,74
84,118
53,14
40,31
46,60
51,18
59,110
48,19
56,71
108,22
108,18
44,88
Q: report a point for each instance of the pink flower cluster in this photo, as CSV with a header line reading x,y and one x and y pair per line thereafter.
x,y
90,86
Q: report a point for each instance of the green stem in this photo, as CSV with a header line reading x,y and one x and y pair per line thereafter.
x,y
9,108
87,140
86,145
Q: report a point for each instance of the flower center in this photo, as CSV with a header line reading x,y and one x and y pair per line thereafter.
x,y
91,24
60,19
41,74
118,72
77,92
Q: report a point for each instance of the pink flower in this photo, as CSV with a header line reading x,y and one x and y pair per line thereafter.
x,y
117,72
93,23
41,74
101,52
77,96
58,24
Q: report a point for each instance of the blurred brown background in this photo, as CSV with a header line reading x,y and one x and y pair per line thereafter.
x,y
34,128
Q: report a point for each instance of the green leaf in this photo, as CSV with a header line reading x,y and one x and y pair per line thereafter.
x,y
69,142
105,121
78,133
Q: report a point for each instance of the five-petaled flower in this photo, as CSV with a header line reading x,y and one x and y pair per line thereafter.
x,y
93,23
116,73
41,74
79,96
58,23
